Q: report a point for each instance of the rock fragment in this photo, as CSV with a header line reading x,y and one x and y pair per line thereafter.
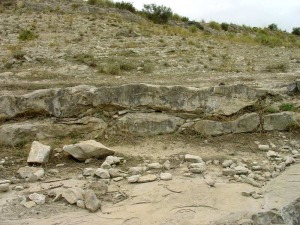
x,y
92,203
147,178
166,176
39,153
192,158
39,199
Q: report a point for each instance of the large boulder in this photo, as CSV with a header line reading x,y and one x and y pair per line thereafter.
x,y
280,121
39,153
148,123
88,149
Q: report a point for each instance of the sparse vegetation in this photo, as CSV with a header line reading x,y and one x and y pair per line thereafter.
x,y
102,3
158,14
126,6
27,35
273,27
214,25
296,31
287,107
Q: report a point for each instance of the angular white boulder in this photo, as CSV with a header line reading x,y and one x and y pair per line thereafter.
x,y
39,153
88,149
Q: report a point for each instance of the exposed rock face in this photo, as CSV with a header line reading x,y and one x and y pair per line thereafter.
x,y
71,102
280,121
88,149
246,123
148,123
12,134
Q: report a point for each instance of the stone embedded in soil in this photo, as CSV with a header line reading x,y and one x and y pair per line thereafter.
x,y
133,179
29,204
193,158
88,172
166,176
92,203
227,163
112,160
264,147
147,178
289,160
99,187
241,170
88,149
39,153
39,199
228,172
102,173
167,165
135,170
28,172
4,187
80,204
113,172
154,166
197,167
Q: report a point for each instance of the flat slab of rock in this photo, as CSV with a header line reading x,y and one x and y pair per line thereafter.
x,y
39,153
147,178
88,149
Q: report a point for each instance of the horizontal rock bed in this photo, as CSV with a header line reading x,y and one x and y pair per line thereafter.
x,y
139,109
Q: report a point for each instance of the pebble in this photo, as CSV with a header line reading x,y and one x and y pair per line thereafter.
x,y
167,165
192,158
154,166
4,187
102,173
227,163
133,179
264,147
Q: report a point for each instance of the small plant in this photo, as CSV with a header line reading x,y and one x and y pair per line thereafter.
x,y
296,31
193,29
214,25
287,107
126,6
27,35
86,59
158,14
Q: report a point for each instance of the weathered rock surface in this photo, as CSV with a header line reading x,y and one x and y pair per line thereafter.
x,y
27,172
39,199
88,149
281,121
39,153
92,203
22,132
246,123
148,124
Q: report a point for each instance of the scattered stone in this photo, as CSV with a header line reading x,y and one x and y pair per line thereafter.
x,y
216,162
39,153
91,201
117,179
264,147
133,179
197,167
256,168
114,173
5,181
4,187
193,158
112,160
102,173
88,172
105,165
80,204
29,204
71,195
135,170
228,172
147,178
210,181
39,199
18,188
29,172
167,165
53,171
280,167
166,176
88,149
289,160
250,181
227,163
99,187
241,170
154,166
60,165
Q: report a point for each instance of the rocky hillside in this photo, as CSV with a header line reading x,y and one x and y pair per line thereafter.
x,y
54,44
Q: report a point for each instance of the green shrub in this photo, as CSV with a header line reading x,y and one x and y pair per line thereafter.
x,y
287,107
193,29
214,25
296,31
158,14
225,26
27,35
126,6
273,27
86,59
